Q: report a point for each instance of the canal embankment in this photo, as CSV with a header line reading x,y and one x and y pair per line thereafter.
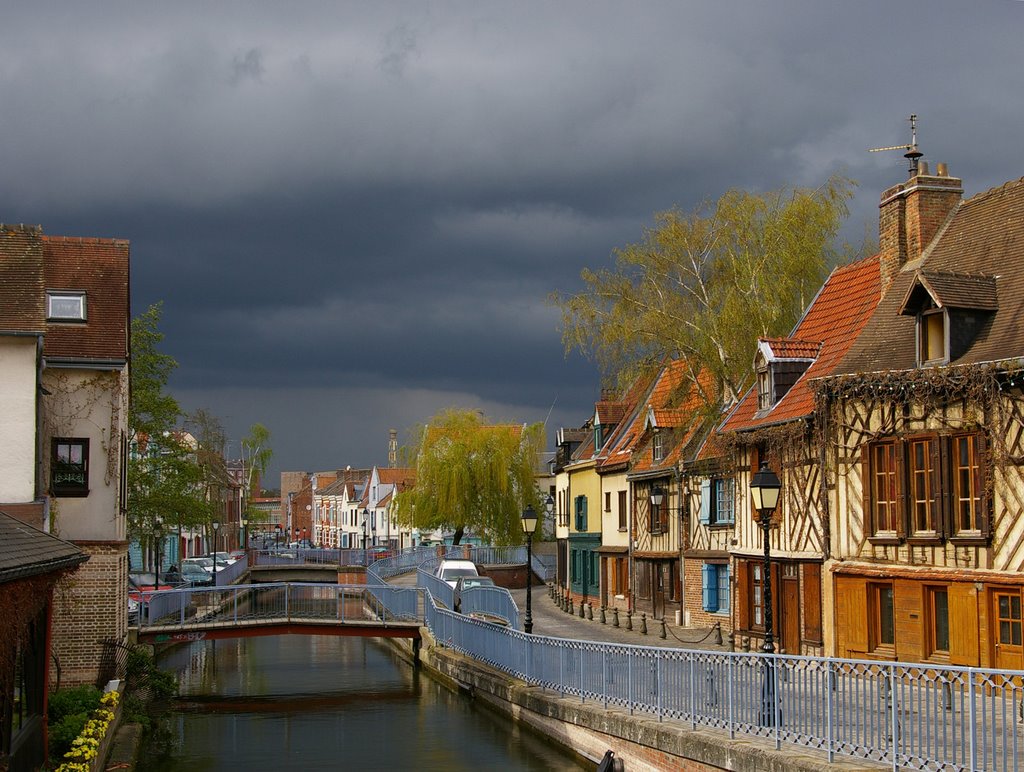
x,y
643,743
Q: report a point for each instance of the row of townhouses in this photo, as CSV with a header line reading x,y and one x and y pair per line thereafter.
x,y
893,415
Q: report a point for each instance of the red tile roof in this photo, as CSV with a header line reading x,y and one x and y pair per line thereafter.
x,y
99,267
835,318
791,348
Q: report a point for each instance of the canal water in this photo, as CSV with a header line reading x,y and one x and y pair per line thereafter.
x,y
327,703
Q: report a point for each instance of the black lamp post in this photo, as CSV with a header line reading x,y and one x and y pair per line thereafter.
x,y
216,525
764,489
529,521
277,536
366,531
158,525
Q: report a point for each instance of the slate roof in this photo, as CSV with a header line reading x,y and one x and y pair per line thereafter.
x,y
953,290
26,551
834,320
984,237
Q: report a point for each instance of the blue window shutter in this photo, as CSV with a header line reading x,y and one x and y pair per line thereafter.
x,y
584,518
705,502
710,586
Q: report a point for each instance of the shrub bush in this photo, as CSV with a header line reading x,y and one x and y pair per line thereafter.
x,y
68,711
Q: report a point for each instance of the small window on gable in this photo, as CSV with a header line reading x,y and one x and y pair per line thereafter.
x,y
932,341
764,388
65,306
658,446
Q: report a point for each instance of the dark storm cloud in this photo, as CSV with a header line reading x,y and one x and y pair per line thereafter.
x,y
354,212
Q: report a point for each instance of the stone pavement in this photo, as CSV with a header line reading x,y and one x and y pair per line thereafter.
x,y
549,619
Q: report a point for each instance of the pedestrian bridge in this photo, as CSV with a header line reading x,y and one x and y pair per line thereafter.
x,y
284,608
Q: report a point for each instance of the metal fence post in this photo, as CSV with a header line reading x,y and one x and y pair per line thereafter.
x,y
629,684
604,675
971,718
287,612
732,686
893,709
657,680
829,730
692,698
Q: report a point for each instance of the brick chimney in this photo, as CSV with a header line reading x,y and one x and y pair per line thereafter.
x,y
911,214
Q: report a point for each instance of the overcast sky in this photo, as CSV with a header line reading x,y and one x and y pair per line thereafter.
x,y
354,212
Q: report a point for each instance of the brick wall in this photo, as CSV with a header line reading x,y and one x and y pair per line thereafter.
x,y
90,610
693,598
910,215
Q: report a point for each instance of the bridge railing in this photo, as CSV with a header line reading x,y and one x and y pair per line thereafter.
x,y
439,589
239,604
233,572
494,601
918,716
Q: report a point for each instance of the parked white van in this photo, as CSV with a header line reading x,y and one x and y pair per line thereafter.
x,y
450,570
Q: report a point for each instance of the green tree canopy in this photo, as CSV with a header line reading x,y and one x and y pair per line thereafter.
x,y
163,473
472,474
704,285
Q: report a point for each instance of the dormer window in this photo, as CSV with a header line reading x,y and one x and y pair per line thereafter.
x,y
932,340
950,310
779,363
65,306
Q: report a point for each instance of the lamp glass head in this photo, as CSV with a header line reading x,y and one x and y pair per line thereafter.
x,y
529,519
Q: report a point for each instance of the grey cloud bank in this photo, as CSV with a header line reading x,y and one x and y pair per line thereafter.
x,y
354,212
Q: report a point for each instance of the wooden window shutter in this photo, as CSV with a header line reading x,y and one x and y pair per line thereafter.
x,y
709,580
984,519
868,485
902,489
743,585
946,514
812,601
705,502
938,519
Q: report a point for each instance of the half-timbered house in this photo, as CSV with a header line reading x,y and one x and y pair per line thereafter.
x,y
924,422
773,423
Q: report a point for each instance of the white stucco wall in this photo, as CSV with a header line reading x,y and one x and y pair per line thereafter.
x,y
93,404
17,418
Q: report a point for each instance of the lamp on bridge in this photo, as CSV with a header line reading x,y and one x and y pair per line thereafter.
x,y
215,525
529,522
277,535
764,489
366,531
158,525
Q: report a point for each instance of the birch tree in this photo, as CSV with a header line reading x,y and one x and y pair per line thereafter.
x,y
704,285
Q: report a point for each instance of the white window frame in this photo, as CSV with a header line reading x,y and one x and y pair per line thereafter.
x,y
58,296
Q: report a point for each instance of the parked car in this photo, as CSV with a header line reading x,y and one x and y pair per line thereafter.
x,y
195,575
464,583
237,554
223,557
450,570
205,562
133,611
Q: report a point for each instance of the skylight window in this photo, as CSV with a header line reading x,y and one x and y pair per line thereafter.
x,y
65,306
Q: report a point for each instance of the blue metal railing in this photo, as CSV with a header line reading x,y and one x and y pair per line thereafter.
x,y
242,603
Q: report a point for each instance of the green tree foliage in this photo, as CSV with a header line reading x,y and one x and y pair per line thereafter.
x,y
704,285
471,474
162,471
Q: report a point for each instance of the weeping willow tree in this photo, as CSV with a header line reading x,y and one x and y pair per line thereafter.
x,y
472,475
703,285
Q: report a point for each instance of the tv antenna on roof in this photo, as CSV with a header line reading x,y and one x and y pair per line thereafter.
x,y
912,154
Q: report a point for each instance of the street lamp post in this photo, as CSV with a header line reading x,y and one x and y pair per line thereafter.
x,y
366,532
158,524
764,489
245,534
277,536
216,525
529,522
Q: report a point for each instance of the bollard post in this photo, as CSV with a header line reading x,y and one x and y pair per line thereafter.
x,y
663,634
604,618
629,619
615,617
643,622
570,605
590,611
582,609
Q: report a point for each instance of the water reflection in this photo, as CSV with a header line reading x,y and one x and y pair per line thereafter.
x,y
324,703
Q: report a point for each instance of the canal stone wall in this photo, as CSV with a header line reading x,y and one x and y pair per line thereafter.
x,y
643,743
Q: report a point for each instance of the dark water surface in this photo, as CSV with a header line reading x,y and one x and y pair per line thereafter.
x,y
325,703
